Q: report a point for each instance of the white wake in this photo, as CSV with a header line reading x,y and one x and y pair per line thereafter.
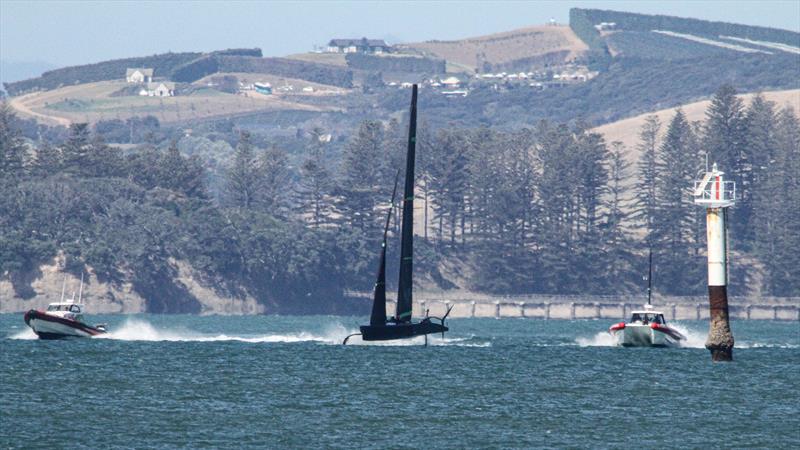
x,y
139,330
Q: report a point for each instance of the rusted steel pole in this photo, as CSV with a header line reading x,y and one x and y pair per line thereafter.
x,y
720,338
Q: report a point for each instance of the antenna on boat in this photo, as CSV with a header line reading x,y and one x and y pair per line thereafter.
x,y
650,275
63,287
80,291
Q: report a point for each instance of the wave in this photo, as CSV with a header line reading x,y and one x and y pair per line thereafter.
x,y
26,334
602,339
139,330
333,334
433,341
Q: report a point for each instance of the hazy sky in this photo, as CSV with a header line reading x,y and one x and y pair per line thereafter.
x,y
74,32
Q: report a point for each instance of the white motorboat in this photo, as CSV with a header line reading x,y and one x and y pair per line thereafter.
x,y
647,328
62,320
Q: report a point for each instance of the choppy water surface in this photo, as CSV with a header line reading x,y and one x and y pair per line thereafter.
x,y
233,382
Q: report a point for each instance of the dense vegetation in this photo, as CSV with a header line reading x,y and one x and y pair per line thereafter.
x,y
629,86
284,67
528,63
538,210
650,45
107,70
392,63
583,21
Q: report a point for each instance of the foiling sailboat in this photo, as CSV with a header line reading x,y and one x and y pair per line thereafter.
x,y
401,325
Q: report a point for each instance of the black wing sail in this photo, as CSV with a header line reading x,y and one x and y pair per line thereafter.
x,y
378,316
404,299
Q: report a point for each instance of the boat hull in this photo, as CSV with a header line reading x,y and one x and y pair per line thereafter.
x,y
47,326
392,331
647,336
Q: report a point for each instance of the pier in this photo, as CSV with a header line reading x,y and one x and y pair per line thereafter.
x,y
569,307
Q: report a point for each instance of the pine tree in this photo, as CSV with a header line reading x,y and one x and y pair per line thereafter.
x,y
675,252
244,179
315,183
449,171
724,142
778,216
276,189
48,160
361,182
646,175
182,174
760,144
617,259
75,151
12,148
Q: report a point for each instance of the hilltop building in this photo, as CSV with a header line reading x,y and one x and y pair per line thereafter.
x,y
363,45
451,82
162,89
139,75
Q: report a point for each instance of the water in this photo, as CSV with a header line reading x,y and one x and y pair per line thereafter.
x,y
285,382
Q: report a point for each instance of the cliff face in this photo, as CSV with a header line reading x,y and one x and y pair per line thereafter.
x,y
43,286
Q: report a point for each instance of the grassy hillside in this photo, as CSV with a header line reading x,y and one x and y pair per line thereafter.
x,y
93,102
627,130
504,48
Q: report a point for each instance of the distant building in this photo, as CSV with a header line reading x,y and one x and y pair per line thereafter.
x,y
158,90
363,45
139,75
606,26
451,82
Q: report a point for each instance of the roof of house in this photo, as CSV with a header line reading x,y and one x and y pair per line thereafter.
x,y
451,80
145,72
357,42
166,84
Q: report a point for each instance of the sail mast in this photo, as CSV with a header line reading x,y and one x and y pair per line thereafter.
x,y
378,316
404,299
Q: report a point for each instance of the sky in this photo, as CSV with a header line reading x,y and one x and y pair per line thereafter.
x,y
63,33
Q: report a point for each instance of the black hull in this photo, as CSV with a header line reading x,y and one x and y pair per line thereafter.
x,y
405,330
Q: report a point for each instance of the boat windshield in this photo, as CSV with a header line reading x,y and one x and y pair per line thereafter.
x,y
70,308
646,318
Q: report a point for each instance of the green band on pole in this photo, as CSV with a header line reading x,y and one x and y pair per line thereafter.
x,y
405,314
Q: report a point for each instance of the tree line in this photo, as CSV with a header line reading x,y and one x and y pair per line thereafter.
x,y
552,208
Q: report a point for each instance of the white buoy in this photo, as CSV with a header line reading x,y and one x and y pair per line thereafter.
x,y
716,195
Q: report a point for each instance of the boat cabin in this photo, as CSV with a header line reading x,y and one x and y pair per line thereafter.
x,y
648,317
69,310
70,307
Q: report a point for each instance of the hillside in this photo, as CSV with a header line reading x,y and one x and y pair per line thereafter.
x,y
504,51
627,130
93,102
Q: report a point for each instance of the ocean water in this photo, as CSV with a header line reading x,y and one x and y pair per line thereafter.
x,y
286,382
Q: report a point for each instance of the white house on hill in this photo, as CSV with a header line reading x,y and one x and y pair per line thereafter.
x,y
158,90
139,75
363,45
